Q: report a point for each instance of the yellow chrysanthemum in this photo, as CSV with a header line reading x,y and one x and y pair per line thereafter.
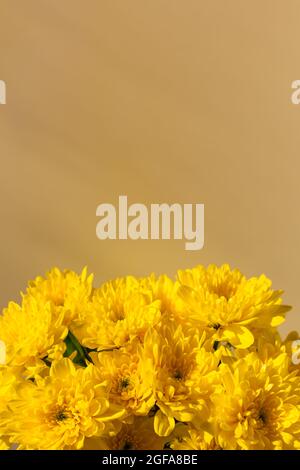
x,y
138,435
68,292
185,374
61,410
130,377
31,332
258,405
120,311
227,305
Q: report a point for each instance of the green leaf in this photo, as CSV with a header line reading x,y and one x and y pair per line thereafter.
x,y
82,355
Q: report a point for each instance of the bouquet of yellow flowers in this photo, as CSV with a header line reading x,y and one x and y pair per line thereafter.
x,y
148,363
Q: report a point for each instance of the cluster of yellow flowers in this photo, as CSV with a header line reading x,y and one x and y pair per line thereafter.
x,y
149,363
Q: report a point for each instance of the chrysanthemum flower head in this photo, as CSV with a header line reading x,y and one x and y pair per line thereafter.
x,y
184,378
227,305
257,404
120,311
68,292
30,332
130,377
61,410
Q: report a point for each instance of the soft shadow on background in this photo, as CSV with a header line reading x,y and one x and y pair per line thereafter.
x,y
164,102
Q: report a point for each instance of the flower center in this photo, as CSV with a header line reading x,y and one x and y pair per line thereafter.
x,y
215,326
60,414
117,313
223,289
125,441
178,375
124,383
262,417
58,297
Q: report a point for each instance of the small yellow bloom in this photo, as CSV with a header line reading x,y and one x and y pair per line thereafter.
x,y
227,305
258,404
130,377
30,331
120,311
185,376
60,411
68,292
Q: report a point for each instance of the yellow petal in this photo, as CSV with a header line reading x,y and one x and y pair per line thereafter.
x,y
62,368
239,336
163,424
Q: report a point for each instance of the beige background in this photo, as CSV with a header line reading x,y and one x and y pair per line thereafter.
x,y
165,101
